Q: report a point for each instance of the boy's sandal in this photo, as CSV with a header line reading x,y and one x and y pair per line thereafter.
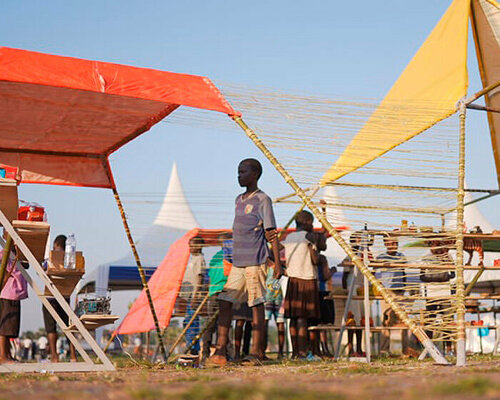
x,y
250,360
216,361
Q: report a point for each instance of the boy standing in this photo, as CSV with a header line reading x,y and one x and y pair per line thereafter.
x,y
253,221
192,290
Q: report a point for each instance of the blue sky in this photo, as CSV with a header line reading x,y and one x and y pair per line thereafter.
x,y
335,48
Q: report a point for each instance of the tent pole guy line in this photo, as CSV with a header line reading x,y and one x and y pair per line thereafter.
x,y
137,258
459,261
387,295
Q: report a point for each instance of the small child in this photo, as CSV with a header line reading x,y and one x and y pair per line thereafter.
x,y
302,297
356,306
191,289
273,306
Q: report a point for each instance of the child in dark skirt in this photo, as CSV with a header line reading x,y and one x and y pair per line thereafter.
x,y
326,306
302,297
15,289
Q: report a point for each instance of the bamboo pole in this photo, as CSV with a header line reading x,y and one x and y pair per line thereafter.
x,y
388,297
287,225
207,326
5,259
460,294
136,255
183,332
482,92
140,269
474,280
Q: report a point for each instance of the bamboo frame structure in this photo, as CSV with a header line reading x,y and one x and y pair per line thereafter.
x,y
183,332
459,261
388,297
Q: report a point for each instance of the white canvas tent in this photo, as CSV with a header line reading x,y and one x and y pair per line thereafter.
x,y
173,220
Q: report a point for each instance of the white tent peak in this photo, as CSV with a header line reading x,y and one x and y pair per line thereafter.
x,y
175,211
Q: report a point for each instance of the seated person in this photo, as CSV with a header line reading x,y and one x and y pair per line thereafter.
x,y
49,321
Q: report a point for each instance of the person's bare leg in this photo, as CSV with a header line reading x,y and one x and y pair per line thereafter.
x,y
238,335
4,349
225,315
258,327
54,357
247,337
350,341
359,338
302,336
293,336
266,336
324,343
281,339
314,343
72,352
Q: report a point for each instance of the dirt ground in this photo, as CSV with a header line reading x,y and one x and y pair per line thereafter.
x,y
389,379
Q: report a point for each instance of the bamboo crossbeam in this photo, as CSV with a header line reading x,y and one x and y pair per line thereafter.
x,y
442,267
188,325
432,211
388,297
483,108
481,93
406,187
372,297
207,326
379,329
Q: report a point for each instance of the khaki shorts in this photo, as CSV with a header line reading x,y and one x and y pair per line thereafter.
x,y
245,284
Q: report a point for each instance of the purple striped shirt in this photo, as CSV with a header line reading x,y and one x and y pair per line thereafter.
x,y
253,216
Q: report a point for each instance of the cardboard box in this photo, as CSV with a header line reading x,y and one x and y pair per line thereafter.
x,y
56,262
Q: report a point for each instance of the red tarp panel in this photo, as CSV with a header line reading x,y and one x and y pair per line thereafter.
x,y
62,117
164,285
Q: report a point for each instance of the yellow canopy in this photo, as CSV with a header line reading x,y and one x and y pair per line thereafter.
x,y
485,20
426,92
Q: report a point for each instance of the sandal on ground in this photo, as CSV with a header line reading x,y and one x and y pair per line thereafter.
x,y
251,360
216,361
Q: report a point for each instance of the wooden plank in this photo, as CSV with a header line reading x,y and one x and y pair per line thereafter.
x,y
51,367
35,234
93,321
9,202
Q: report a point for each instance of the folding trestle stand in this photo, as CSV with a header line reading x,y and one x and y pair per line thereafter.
x,y
75,324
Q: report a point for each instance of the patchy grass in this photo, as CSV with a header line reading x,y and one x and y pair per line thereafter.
x,y
245,392
476,385
147,393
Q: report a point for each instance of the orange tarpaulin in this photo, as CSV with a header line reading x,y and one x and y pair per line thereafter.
x,y
164,285
62,117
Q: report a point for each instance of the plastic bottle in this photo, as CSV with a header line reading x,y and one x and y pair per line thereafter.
x,y
70,252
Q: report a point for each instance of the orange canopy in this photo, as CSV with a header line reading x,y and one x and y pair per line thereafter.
x,y
62,117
